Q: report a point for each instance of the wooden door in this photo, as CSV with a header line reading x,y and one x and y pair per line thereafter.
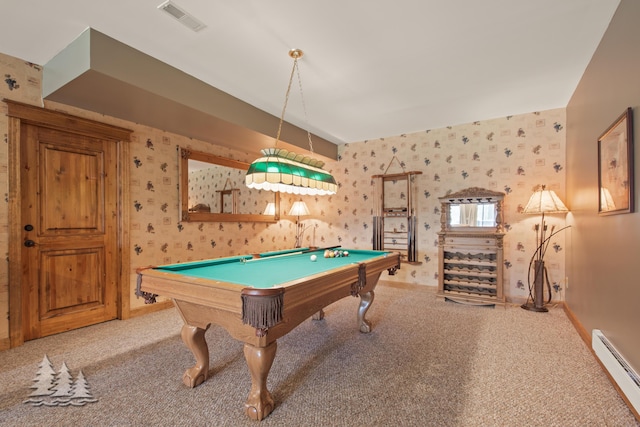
x,y
69,224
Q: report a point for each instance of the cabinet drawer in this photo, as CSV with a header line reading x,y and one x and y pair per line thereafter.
x,y
470,241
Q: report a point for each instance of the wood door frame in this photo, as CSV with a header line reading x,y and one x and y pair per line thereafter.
x,y
18,114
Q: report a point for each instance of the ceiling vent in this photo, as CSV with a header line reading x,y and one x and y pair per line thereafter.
x,y
181,15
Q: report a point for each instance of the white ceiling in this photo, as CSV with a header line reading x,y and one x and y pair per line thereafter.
x,y
371,68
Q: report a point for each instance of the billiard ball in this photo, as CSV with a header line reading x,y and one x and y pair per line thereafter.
x,y
313,257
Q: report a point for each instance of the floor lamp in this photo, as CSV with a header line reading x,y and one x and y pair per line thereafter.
x,y
543,202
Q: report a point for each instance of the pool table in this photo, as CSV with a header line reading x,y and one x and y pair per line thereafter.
x,y
260,298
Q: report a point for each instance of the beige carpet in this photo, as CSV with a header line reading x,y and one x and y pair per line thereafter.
x,y
426,363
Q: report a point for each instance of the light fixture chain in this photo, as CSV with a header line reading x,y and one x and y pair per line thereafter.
x,y
286,99
304,106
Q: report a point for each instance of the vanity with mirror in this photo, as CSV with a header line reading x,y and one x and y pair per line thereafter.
x,y
212,189
470,247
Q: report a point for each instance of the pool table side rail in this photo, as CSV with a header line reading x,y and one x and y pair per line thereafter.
x,y
310,296
158,281
302,297
197,290
229,260
221,294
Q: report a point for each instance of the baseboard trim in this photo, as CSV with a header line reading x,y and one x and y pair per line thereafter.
x,y
586,337
406,285
150,308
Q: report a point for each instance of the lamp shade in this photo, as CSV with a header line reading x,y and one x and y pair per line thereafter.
x,y
606,200
299,208
544,201
270,210
286,172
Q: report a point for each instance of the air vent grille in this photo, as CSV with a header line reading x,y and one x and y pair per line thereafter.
x,y
182,16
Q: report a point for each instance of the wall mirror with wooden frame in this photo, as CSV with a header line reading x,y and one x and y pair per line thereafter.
x,y
212,189
472,209
472,215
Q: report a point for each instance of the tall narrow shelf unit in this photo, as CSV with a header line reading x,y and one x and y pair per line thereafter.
x,y
394,215
470,268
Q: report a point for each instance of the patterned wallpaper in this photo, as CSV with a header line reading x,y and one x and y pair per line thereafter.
x,y
511,154
21,81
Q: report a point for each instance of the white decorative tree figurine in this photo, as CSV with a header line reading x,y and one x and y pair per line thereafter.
x,y
63,382
81,389
44,379
59,389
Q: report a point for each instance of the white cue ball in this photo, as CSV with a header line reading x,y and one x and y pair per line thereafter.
x,y
313,257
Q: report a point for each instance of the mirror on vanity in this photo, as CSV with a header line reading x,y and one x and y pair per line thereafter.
x,y
472,215
472,209
212,188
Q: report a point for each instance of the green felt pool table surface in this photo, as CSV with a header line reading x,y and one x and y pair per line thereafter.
x,y
271,268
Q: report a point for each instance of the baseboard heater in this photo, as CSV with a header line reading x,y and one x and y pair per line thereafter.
x,y
623,374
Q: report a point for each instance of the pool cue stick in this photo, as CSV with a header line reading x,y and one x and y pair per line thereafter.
x,y
321,249
274,256
294,253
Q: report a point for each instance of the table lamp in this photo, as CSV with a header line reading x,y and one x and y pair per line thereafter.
x,y
543,202
270,210
299,209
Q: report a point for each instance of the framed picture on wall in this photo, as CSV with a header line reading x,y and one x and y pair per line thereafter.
x,y
615,167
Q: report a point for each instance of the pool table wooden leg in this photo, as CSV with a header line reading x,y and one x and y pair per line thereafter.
x,y
193,337
365,302
259,359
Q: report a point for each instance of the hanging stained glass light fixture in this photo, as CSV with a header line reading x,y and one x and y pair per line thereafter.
x,y
280,170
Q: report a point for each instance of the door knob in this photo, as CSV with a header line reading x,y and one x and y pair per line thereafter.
x,y
29,243
28,227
